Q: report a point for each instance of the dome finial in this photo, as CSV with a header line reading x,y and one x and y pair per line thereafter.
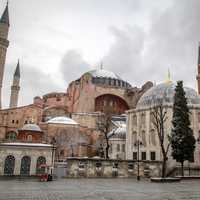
x,y
168,80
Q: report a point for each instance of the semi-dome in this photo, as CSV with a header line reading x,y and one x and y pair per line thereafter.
x,y
62,120
165,92
106,77
31,127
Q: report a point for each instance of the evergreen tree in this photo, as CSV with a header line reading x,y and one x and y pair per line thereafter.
x,y
182,139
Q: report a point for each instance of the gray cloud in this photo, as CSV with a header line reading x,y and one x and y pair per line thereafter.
x,y
33,83
73,66
138,39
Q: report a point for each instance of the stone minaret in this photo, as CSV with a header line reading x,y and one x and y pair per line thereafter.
x,y
4,28
198,71
15,87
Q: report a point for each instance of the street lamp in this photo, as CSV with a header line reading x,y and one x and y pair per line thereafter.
x,y
137,144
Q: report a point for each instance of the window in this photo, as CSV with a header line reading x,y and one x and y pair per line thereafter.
x,y
115,165
58,98
143,138
153,137
62,152
151,118
123,147
134,155
135,120
110,148
134,138
143,155
17,122
118,147
153,155
13,121
199,117
143,121
12,136
29,138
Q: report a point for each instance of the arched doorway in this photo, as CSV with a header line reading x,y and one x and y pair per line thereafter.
x,y
41,160
25,166
9,165
115,104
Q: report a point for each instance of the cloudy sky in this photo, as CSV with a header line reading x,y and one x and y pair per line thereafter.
x,y
57,41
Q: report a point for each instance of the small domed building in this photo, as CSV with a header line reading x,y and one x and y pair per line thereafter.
x,y
30,133
70,141
26,154
140,126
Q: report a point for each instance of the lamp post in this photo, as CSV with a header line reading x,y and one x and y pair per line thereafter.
x,y
53,142
137,144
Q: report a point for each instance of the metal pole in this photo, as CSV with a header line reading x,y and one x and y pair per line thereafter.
x,y
138,160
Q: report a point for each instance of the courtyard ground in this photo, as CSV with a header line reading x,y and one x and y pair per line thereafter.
x,y
101,189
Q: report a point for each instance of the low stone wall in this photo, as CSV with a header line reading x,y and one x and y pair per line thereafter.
x,y
92,168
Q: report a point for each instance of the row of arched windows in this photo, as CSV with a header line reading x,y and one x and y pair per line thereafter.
x,y
152,138
9,165
110,81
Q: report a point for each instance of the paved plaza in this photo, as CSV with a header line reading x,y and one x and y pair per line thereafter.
x,y
101,189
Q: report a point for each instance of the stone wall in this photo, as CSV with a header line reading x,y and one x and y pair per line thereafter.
x,y
91,168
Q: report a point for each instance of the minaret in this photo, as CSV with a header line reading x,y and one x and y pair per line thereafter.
x,y
198,71
4,28
15,87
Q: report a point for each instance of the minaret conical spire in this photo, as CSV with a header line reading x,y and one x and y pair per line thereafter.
x,y
5,16
15,87
17,70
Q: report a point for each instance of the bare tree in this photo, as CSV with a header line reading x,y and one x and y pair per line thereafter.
x,y
104,126
159,117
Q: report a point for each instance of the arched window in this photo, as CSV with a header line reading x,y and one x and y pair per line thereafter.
x,y
39,168
143,138
143,121
29,138
118,147
25,166
9,165
12,136
135,120
153,137
134,138
151,118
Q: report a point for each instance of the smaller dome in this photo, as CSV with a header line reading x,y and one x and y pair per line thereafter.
x,y
31,127
62,120
165,92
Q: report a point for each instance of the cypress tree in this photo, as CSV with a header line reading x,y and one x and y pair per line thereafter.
x,y
182,138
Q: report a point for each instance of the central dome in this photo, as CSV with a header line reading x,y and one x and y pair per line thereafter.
x,y
104,74
165,92
105,77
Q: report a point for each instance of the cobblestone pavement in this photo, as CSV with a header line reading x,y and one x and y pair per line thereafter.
x,y
101,189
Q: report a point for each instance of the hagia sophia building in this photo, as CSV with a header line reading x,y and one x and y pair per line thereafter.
x,y
70,117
